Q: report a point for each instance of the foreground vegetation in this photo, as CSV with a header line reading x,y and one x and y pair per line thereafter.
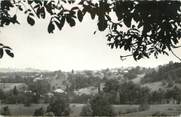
x,y
164,109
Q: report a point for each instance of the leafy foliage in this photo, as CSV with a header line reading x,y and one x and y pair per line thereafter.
x,y
111,85
159,21
133,72
156,31
100,106
15,91
78,81
59,106
2,94
131,93
30,20
39,112
5,111
86,110
169,73
5,49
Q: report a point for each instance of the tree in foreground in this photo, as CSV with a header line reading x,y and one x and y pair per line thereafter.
x,y
100,106
39,112
142,28
5,111
59,106
86,110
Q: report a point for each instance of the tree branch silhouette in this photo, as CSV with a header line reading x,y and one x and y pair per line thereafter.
x,y
175,55
123,57
158,22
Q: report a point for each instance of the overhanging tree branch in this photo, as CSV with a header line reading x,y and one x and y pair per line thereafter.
x,y
175,55
150,28
123,57
176,46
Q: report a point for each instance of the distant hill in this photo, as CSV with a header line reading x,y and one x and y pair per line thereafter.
x,y
8,70
168,74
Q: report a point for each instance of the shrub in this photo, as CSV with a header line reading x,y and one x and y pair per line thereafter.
x,y
39,112
59,106
27,103
86,110
2,94
100,106
143,107
5,111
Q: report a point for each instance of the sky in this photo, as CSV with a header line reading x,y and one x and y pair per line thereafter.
x,y
72,48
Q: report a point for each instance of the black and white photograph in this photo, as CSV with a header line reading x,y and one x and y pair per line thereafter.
x,y
87,58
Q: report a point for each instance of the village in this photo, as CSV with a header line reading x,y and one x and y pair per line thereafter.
x,y
129,91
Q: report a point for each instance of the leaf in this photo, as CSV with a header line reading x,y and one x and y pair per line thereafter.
x,y
38,12
14,19
80,15
136,17
140,24
164,52
94,32
126,47
6,4
111,45
84,11
81,2
64,1
8,52
31,14
61,23
7,22
71,1
70,21
49,8
74,8
7,47
36,6
42,10
30,20
26,11
102,24
20,8
140,56
38,2
175,40
1,52
51,27
145,54
127,21
30,1
92,13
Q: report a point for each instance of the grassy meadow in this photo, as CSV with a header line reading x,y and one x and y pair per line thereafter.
x,y
120,110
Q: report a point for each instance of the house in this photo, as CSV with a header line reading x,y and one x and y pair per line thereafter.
x,y
59,91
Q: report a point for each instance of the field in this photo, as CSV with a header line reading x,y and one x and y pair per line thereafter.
x,y
127,110
163,109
